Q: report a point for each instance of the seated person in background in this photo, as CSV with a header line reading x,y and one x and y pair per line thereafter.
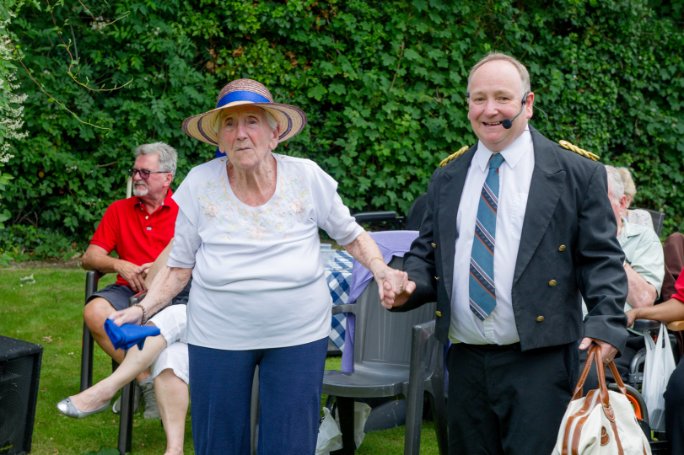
x,y
644,266
668,311
635,216
168,355
137,229
644,262
673,247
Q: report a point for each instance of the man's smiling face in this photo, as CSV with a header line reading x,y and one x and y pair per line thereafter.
x,y
495,94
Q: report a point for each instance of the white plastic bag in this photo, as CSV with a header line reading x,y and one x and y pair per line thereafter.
x,y
658,367
361,413
329,434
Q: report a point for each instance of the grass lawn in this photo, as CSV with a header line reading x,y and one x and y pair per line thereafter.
x,y
44,306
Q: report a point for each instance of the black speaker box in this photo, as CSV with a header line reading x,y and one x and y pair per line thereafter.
x,y
19,374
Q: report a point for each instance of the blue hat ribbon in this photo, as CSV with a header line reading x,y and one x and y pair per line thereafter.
x,y
241,95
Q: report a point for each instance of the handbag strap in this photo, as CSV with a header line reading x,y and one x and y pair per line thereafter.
x,y
601,373
594,357
579,388
618,378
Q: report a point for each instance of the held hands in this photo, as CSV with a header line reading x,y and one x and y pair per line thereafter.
x,y
394,287
608,351
395,295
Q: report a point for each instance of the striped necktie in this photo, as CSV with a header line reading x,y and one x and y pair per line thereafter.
x,y
481,283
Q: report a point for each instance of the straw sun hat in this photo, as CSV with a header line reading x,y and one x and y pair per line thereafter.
x,y
291,120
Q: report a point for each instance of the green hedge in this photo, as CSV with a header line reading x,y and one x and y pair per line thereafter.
x,y
382,83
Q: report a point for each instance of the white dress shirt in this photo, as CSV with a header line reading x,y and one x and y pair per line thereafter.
x,y
515,176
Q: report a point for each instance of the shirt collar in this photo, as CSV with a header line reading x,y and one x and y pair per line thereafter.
x,y
512,154
165,203
629,229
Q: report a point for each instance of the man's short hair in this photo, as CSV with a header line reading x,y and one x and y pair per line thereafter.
x,y
492,56
167,155
616,189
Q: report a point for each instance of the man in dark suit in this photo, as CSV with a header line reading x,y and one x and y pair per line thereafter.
x,y
513,358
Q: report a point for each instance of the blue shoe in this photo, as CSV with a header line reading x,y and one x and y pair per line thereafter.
x,y
69,409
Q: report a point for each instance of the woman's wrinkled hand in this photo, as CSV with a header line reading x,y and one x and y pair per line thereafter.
x,y
395,288
130,315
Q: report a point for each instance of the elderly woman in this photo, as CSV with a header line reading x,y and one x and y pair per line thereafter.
x,y
247,232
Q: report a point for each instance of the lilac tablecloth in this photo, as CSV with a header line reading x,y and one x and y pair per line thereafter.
x,y
391,243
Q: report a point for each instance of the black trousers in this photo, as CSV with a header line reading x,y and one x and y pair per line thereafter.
x,y
674,410
504,401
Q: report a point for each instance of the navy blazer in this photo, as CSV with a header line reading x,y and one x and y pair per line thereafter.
x,y
568,246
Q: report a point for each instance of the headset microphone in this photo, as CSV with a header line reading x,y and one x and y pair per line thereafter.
x,y
508,123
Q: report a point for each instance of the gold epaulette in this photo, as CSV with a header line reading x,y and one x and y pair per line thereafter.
x,y
579,151
453,156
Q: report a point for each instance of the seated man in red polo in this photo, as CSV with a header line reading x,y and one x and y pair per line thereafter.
x,y
137,229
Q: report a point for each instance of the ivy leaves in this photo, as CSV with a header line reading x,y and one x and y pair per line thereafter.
x,y
383,85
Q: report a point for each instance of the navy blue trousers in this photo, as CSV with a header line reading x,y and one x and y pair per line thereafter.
x,y
290,383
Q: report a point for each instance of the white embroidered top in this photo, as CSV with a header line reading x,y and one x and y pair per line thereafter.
x,y
258,281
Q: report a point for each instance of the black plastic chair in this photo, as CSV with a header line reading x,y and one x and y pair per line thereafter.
x,y
390,350
380,220
127,394
426,377
658,219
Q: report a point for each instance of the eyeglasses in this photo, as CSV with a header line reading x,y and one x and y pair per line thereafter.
x,y
144,173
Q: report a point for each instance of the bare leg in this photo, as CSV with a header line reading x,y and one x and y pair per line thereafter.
x,y
95,313
172,399
135,361
98,310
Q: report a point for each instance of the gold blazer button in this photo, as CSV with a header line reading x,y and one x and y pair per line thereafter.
x,y
436,278
562,247
539,318
553,283
438,314
433,244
